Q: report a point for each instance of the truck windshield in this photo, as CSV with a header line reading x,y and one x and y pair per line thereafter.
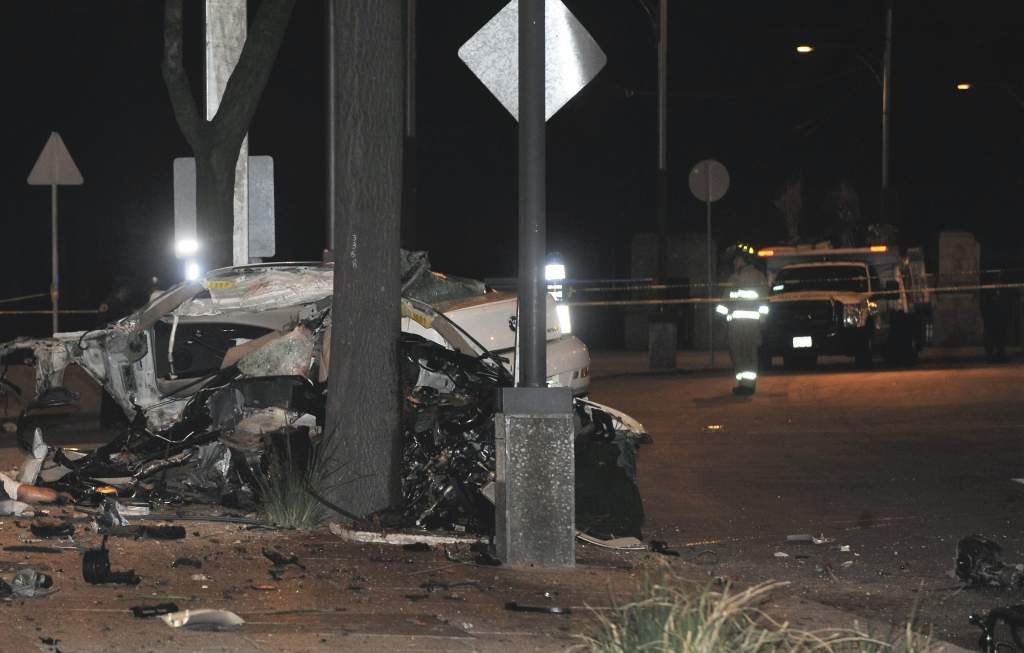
x,y
844,278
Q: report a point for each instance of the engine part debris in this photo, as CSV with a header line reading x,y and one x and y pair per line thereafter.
x,y
52,528
27,583
96,569
545,609
203,618
1013,616
149,611
979,562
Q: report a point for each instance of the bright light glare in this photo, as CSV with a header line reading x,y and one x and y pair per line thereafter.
x,y
186,247
564,321
805,49
192,271
554,272
963,86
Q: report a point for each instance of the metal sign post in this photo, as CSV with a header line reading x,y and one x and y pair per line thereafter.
x,y
53,168
709,180
534,56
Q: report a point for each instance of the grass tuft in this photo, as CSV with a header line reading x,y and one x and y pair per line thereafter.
x,y
285,490
670,615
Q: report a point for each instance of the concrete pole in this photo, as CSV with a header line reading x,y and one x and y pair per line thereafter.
x,y
535,518
886,107
225,22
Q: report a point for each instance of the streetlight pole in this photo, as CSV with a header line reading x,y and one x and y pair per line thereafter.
x,y
886,107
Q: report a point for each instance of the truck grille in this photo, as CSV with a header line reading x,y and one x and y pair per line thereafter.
x,y
808,317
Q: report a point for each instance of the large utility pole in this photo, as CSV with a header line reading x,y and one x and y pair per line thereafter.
x,y
362,431
886,108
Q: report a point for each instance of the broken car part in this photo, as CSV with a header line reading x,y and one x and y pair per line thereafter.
x,y
204,618
96,569
52,528
27,583
149,611
979,562
1013,616
545,609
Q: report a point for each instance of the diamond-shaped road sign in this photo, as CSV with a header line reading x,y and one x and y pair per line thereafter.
x,y
571,56
55,167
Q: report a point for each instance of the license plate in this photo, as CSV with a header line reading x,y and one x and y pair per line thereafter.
x,y
802,342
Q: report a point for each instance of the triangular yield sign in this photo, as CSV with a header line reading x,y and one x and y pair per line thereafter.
x,y
55,165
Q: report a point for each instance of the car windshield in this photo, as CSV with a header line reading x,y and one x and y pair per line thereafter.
x,y
845,278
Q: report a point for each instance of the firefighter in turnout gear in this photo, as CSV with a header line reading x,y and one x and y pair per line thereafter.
x,y
743,307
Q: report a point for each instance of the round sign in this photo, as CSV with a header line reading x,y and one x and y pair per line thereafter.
x,y
709,180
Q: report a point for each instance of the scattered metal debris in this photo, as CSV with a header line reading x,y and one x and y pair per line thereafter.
x,y
52,528
545,609
618,543
27,583
149,611
96,569
203,618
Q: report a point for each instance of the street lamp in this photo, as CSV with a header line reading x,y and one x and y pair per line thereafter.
x,y
884,82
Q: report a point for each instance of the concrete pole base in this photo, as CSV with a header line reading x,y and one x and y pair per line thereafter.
x,y
661,344
535,497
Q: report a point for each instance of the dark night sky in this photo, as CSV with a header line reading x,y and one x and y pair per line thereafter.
x,y
91,71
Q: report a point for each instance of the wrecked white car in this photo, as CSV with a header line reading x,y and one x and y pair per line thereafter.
x,y
218,374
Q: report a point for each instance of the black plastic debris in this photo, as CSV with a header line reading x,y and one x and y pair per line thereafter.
x,y
979,562
187,562
49,528
32,548
418,547
280,561
544,609
660,546
96,569
148,532
150,611
1012,616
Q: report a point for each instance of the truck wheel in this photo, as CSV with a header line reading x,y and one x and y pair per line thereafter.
x,y
902,346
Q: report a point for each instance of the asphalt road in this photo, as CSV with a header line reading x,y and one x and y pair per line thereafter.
x,y
896,464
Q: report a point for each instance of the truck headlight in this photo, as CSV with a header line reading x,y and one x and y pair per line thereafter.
x,y
855,315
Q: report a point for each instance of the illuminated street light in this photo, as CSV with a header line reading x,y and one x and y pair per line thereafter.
x,y
805,49
963,86
192,271
186,247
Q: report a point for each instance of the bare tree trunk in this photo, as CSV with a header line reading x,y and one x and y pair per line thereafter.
x,y
216,142
363,404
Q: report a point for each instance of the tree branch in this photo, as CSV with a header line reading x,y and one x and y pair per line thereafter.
x,y
245,86
186,113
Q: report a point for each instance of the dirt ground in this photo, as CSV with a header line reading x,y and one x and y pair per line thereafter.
x,y
381,597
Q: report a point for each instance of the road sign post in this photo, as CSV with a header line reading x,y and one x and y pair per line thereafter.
x,y
534,56
53,168
709,181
